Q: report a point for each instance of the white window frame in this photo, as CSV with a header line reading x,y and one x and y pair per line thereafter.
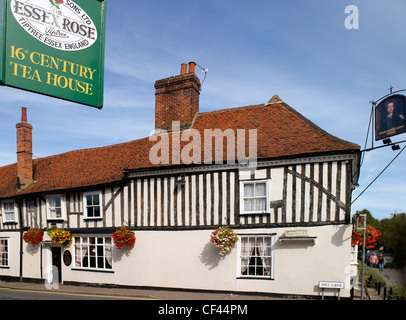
x,y
272,246
81,250
63,209
85,206
2,264
267,194
4,211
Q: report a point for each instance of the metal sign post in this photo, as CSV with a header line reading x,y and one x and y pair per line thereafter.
x,y
364,227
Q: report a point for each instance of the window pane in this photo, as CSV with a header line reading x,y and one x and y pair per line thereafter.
x,y
249,205
90,212
9,216
260,189
96,199
54,202
85,261
96,212
89,201
31,204
100,262
260,204
92,262
248,190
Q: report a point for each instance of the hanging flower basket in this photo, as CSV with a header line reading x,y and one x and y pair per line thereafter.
x,y
371,237
33,236
124,237
224,238
60,237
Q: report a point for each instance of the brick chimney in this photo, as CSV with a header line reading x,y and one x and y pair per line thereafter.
x,y
24,152
177,99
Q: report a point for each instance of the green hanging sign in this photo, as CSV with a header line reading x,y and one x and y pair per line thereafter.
x,y
54,47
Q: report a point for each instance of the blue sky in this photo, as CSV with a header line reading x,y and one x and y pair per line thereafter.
x,y
298,49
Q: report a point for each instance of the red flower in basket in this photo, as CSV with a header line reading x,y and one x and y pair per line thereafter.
x,y
33,236
124,237
371,236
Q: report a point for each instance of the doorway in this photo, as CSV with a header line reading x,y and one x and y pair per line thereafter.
x,y
57,263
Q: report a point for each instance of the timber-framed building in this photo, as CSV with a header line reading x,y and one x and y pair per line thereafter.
x,y
291,210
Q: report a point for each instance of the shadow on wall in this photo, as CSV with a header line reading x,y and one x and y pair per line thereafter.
x,y
337,238
119,253
210,256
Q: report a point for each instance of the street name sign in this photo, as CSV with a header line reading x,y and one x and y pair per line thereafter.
x,y
55,48
331,285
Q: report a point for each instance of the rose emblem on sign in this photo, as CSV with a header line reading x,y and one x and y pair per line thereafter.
x,y
56,3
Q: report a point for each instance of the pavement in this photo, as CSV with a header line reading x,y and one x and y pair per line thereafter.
x,y
131,293
391,276
394,277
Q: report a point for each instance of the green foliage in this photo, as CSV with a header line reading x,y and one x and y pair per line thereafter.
x,y
396,293
394,237
372,277
370,219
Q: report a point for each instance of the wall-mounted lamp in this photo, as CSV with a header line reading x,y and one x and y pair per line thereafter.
x,y
395,147
354,186
180,180
387,141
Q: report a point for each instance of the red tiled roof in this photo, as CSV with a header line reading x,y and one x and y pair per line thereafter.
x,y
281,132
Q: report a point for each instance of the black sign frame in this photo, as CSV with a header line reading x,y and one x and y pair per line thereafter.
x,y
390,117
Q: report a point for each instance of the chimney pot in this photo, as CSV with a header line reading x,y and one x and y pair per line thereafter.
x,y
192,66
183,68
24,114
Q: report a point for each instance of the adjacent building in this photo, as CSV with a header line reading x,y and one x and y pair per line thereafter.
x,y
282,183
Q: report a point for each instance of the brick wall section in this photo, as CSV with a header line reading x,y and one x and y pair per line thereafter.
x,y
176,99
24,153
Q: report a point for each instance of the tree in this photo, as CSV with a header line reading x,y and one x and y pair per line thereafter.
x,y
394,238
